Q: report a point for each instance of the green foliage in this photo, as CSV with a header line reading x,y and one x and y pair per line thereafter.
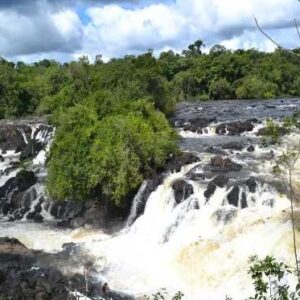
x,y
107,155
272,130
45,86
163,295
220,89
253,87
267,275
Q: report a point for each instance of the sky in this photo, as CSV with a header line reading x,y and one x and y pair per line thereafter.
x,y
64,30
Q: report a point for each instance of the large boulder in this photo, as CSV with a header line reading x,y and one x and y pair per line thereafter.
x,y
211,188
182,190
215,150
25,179
195,174
31,150
233,198
176,162
238,146
219,164
251,148
11,137
252,184
220,181
29,274
17,194
196,125
236,128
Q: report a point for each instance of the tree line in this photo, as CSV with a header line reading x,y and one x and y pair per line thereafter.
x,y
112,130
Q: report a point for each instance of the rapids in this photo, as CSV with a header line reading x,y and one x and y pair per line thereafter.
x,y
201,245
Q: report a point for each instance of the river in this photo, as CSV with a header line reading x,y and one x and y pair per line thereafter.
x,y
200,245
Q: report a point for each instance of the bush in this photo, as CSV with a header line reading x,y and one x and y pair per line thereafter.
x,y
253,87
220,89
107,157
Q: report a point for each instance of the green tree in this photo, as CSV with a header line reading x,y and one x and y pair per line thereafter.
x,y
220,89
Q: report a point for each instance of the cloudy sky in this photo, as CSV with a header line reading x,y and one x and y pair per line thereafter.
x,y
66,29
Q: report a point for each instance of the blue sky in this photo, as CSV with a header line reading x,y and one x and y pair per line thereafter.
x,y
66,29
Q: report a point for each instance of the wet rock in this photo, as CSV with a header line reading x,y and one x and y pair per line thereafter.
x,y
251,148
196,125
225,215
269,202
1,158
66,209
38,208
233,196
233,146
143,194
175,163
36,217
236,128
29,274
9,186
215,150
92,213
195,174
31,150
220,180
11,138
243,200
252,184
182,190
25,179
211,188
219,164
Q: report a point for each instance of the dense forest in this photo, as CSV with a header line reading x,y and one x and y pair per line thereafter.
x,y
110,118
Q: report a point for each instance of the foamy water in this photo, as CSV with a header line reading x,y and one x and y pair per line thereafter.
x,y
200,247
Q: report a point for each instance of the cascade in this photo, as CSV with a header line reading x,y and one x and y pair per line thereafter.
x,y
196,231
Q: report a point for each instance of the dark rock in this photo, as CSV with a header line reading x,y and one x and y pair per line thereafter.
x,y
251,148
225,215
233,196
233,146
252,184
38,208
220,180
244,203
215,150
31,150
182,190
29,274
175,163
36,217
211,188
9,186
235,128
1,158
195,174
218,164
143,194
196,125
25,179
11,138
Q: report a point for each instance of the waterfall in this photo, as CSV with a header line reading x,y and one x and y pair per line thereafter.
x,y
196,236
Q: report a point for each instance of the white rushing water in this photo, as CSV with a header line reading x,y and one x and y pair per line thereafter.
x,y
198,247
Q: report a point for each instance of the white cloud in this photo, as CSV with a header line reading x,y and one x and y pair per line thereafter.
x,y
43,32
114,30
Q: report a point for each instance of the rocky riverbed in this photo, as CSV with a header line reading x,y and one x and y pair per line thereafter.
x,y
191,227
